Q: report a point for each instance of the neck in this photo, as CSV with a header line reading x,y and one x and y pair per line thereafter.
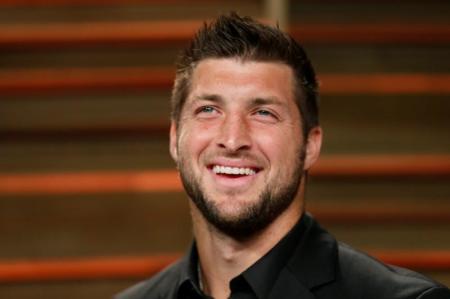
x,y
222,257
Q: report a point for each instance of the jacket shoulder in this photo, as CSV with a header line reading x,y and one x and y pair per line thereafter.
x,y
162,285
368,277
436,293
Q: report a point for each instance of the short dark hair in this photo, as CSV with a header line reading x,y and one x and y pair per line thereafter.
x,y
233,36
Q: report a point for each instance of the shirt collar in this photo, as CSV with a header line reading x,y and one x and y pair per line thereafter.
x,y
307,251
188,286
262,275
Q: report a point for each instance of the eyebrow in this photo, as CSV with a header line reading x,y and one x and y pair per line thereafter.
x,y
253,102
266,101
209,97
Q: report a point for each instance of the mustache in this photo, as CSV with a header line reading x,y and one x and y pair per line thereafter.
x,y
235,155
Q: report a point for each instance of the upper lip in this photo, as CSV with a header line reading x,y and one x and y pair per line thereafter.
x,y
234,163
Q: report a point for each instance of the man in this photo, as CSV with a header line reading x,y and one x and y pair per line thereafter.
x,y
244,132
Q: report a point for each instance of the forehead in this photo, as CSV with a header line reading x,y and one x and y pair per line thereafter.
x,y
236,78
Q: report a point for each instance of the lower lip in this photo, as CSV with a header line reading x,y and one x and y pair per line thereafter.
x,y
229,181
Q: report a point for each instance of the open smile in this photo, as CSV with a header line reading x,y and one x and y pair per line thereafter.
x,y
245,174
218,169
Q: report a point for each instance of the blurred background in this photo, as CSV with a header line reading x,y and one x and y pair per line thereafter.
x,y
89,199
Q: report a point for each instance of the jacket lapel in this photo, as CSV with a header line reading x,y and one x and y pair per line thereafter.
x,y
314,262
316,257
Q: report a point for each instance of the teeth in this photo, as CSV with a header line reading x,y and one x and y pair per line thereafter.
x,y
233,170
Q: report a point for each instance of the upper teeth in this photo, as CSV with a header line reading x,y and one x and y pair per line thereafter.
x,y
233,170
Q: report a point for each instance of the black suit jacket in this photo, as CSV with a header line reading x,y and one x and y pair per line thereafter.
x,y
320,268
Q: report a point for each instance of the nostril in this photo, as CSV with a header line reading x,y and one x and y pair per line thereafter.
x,y
233,147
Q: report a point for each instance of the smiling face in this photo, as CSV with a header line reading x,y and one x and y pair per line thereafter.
x,y
239,145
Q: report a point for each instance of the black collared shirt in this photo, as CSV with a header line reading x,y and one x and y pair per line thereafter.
x,y
254,283
307,263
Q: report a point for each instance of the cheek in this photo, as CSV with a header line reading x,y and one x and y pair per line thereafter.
x,y
194,139
280,148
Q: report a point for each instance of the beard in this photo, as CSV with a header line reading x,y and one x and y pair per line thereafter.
x,y
272,201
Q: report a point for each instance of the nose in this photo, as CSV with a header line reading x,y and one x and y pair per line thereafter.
x,y
234,134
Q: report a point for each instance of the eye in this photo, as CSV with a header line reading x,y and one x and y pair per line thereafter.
x,y
266,115
206,109
263,112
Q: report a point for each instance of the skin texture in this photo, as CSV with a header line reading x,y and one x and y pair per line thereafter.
x,y
241,114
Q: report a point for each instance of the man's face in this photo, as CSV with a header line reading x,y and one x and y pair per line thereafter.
x,y
239,145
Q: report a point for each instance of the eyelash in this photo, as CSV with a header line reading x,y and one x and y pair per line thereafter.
x,y
264,112
205,109
260,112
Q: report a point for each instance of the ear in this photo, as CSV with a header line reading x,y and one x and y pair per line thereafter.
x,y
313,145
173,141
